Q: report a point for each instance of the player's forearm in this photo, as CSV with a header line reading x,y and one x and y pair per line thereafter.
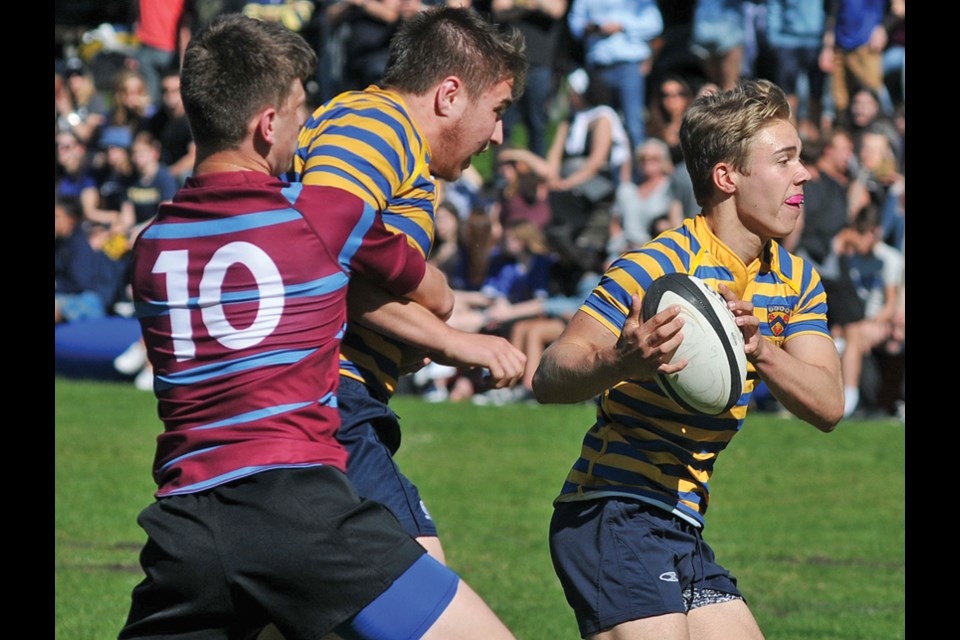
x,y
570,372
811,392
434,293
397,318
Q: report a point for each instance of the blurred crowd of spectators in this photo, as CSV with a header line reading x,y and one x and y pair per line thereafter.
x,y
591,164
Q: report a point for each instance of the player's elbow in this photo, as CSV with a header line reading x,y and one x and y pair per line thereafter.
x,y
827,419
442,305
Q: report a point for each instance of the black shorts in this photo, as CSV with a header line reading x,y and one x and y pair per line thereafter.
x,y
296,547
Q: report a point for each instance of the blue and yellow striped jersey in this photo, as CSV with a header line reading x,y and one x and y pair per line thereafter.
x,y
365,142
645,446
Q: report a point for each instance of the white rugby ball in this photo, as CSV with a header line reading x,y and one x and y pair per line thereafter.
x,y
716,370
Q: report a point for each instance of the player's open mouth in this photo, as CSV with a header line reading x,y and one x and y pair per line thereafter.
x,y
796,200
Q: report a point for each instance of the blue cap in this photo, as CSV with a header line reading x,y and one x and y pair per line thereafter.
x,y
116,137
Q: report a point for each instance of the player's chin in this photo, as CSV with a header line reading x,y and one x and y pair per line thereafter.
x,y
788,217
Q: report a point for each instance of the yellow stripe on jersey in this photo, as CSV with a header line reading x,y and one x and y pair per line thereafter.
x,y
644,445
366,143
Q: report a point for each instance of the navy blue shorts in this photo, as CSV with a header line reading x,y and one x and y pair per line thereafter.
x,y
620,560
370,432
297,547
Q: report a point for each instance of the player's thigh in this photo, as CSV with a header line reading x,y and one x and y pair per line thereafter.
x,y
468,617
731,620
670,626
433,547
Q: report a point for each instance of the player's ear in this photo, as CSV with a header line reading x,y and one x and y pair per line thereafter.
x,y
450,97
265,125
724,177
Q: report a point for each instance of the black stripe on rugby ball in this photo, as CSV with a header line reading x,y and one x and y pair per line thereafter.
x,y
682,285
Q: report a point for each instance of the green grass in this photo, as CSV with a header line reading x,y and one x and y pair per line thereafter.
x,y
812,524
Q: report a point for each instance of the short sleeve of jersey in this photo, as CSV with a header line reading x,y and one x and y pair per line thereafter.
x,y
365,143
367,247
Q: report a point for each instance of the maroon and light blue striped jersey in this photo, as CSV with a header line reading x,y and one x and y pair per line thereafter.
x,y
240,287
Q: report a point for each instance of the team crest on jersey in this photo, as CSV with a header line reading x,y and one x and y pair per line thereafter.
x,y
778,317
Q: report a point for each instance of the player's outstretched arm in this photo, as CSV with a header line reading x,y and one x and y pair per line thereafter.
x,y
587,358
415,325
804,375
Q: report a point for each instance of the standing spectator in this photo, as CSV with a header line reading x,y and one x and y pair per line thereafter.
x,y
853,42
370,24
541,23
719,38
795,30
616,36
163,30
894,56
170,127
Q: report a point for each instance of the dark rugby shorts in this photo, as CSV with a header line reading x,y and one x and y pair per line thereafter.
x,y
368,430
620,559
296,547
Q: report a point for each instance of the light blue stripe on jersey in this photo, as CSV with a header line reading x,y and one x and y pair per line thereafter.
x,y
210,371
236,474
250,416
232,224
328,400
354,242
292,192
318,287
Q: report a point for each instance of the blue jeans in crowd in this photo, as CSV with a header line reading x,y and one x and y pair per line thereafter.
x,y
628,83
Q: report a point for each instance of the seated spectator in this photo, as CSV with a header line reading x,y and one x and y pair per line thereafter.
x,y
589,156
83,110
170,127
115,175
153,186
534,324
876,170
876,270
132,105
88,280
671,99
74,176
521,197
645,210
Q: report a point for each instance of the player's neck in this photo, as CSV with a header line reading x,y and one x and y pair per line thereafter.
x,y
226,161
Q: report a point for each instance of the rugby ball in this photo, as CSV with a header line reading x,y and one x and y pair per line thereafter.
x,y
716,370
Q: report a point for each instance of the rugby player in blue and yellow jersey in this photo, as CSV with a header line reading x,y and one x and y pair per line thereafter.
x,y
240,285
626,534
450,77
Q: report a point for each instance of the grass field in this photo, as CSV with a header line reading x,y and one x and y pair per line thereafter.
x,y
811,524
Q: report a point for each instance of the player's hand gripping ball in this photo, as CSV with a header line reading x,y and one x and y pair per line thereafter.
x,y
716,370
